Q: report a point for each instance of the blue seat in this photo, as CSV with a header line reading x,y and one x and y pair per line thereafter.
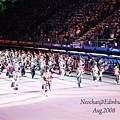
x,y
89,48
102,48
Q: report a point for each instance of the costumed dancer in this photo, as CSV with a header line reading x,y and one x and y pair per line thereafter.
x,y
42,65
101,68
15,78
100,72
69,65
51,64
32,69
9,69
82,63
119,77
62,65
91,64
95,74
22,68
79,74
60,57
45,82
50,80
0,67
116,72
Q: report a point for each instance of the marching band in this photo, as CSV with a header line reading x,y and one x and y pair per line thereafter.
x,y
18,62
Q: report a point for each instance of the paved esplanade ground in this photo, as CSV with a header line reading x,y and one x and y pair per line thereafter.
x,y
65,102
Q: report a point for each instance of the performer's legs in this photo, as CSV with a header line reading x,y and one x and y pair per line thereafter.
x,y
100,76
117,79
62,73
95,78
79,80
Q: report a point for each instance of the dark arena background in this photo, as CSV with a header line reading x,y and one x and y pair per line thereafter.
x,y
79,28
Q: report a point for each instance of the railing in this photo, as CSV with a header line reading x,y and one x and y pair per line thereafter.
x,y
98,44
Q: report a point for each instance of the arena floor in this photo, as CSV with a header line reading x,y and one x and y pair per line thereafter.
x,y
64,101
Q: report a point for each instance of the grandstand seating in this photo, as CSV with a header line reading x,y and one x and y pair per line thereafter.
x,y
68,22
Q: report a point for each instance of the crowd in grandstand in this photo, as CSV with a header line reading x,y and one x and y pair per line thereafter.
x,y
62,22
110,27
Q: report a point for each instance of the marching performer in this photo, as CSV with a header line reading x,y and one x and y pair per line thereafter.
x,y
81,61
101,68
51,64
0,67
42,65
95,74
14,83
116,72
32,69
91,64
69,65
22,68
100,72
46,83
62,65
79,74
9,70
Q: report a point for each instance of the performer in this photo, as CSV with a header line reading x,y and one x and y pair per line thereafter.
x,y
101,68
0,67
100,72
119,77
95,74
22,68
51,64
42,65
116,72
32,69
91,64
45,82
69,65
50,80
9,70
60,57
79,74
62,65
14,83
81,61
